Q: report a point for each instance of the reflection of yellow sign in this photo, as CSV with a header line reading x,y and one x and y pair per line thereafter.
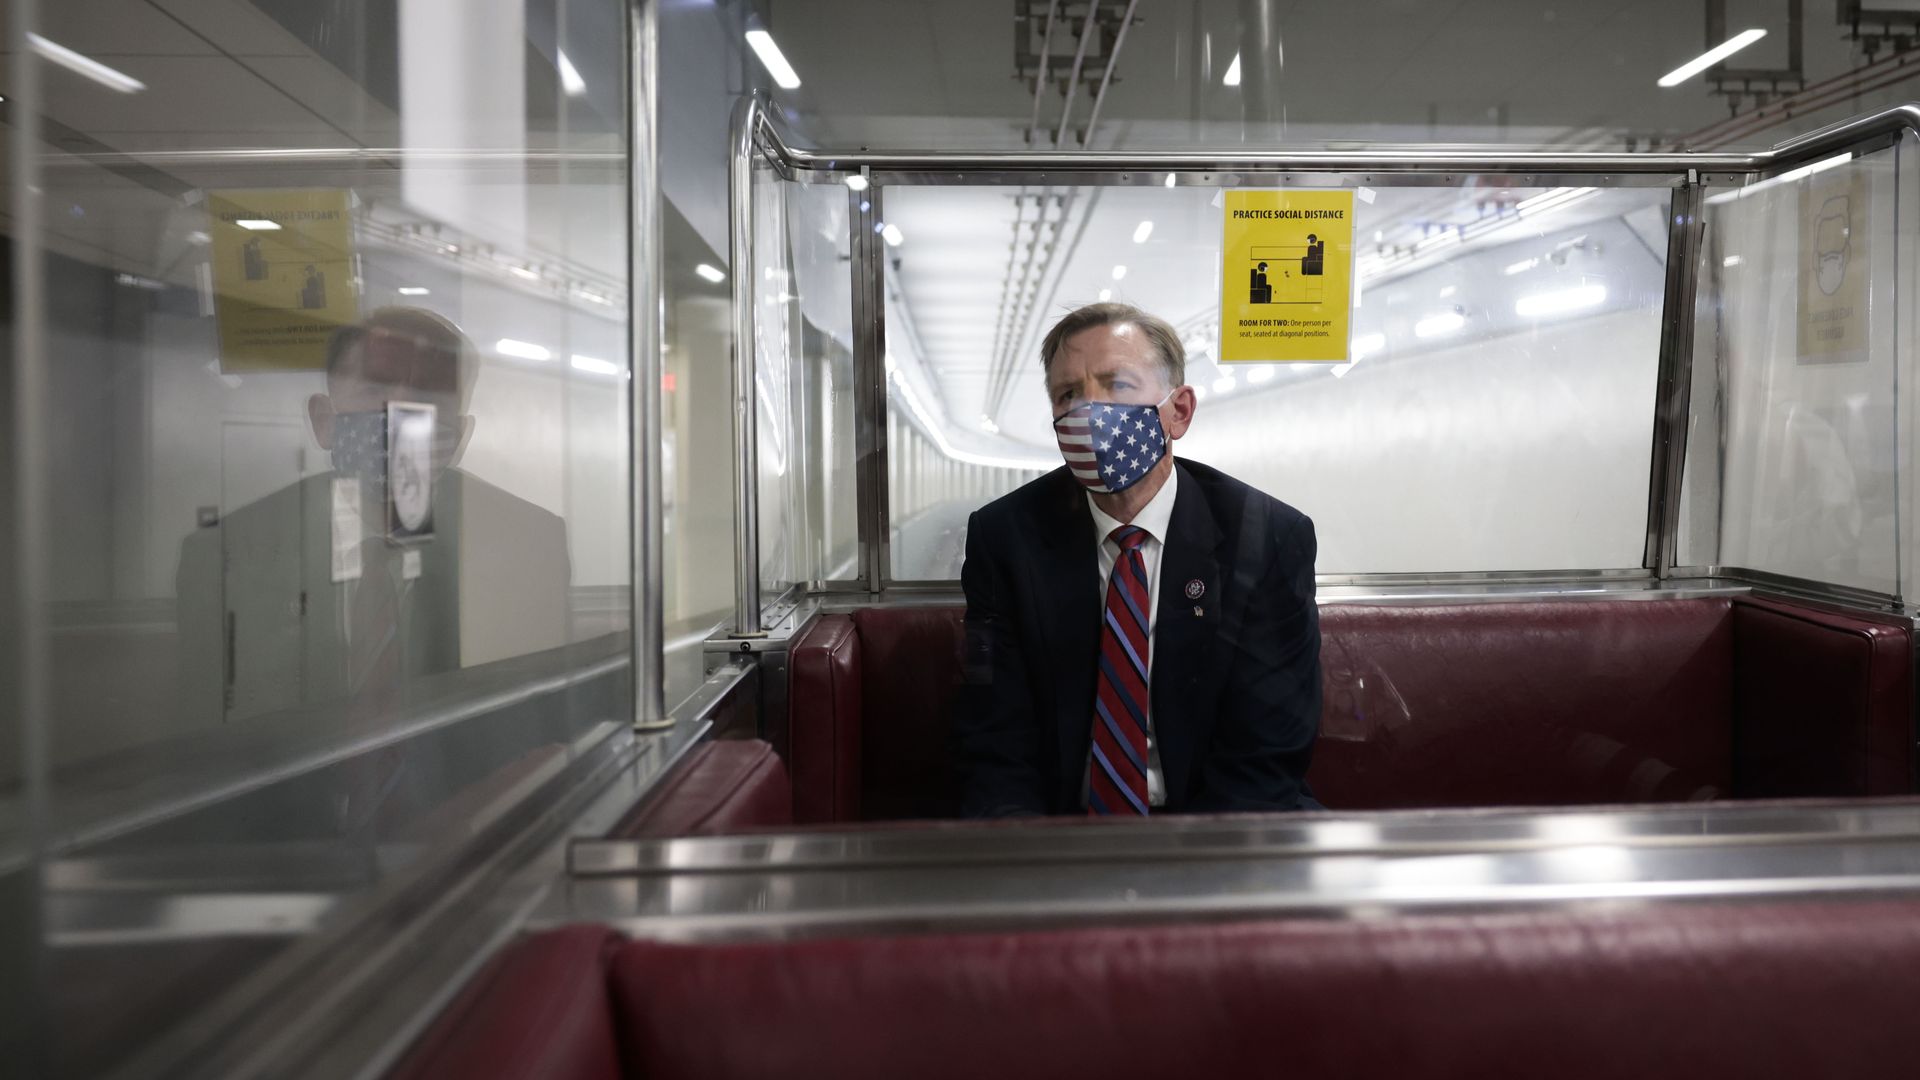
x,y
1833,267
1287,279
282,276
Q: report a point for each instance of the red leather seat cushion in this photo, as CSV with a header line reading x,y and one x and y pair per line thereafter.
x,y
1761,990
1524,703
824,718
722,786
538,1012
909,668
1823,700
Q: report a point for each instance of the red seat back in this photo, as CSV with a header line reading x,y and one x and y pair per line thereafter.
x,y
1525,703
1725,990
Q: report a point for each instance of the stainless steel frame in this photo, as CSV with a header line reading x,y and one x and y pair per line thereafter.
x,y
644,416
1376,865
1687,173
749,122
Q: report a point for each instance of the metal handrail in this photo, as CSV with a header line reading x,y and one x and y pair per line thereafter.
x,y
749,123
1796,151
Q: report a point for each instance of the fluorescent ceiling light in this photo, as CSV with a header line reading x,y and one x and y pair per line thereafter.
x,y
1142,231
1224,384
1522,266
857,182
770,55
710,273
1257,375
1233,72
523,272
1448,291
1560,302
1199,393
1731,260
1711,57
570,79
55,53
892,235
1119,272
1169,179
413,290
525,350
1445,322
1106,295
257,224
1367,344
196,236
595,365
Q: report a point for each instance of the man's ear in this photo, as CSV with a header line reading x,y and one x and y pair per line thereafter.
x,y
320,415
1177,414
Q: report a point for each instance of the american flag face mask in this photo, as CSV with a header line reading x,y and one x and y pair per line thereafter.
x,y
1111,447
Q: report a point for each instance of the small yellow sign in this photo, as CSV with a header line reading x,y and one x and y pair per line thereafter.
x,y
282,276
1286,283
1835,249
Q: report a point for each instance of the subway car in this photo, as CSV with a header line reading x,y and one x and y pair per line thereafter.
x,y
573,539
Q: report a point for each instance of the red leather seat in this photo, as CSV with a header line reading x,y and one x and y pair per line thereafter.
x,y
722,786
1719,990
539,1011
1459,704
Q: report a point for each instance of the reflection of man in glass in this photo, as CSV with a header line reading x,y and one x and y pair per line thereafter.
x,y
1832,231
313,292
300,605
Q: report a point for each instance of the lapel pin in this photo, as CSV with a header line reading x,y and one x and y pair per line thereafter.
x,y
1198,611
1196,589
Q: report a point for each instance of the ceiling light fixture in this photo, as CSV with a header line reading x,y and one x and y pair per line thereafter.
x,y
892,234
1233,72
1169,179
1521,267
257,224
770,55
1365,345
1711,57
1106,295
524,350
413,290
1257,375
1119,272
1224,385
1436,325
857,181
570,79
1560,302
1142,231
55,53
595,365
710,273
523,272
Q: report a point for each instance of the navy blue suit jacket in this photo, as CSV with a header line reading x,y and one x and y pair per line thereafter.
x,y
1235,677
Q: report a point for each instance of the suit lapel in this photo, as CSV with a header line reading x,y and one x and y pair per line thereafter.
x,y
1183,628
1068,580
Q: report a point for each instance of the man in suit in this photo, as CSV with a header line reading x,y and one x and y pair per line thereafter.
x,y
1141,633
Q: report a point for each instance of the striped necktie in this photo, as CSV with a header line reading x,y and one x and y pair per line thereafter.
x,y
1117,771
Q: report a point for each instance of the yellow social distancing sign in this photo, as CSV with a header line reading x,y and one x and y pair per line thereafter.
x,y
1286,282
283,276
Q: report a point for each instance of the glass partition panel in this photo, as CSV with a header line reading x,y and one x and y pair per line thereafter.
x,y
1497,413
337,454
1798,328
803,326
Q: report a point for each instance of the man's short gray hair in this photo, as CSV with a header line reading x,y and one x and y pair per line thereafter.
x,y
1173,355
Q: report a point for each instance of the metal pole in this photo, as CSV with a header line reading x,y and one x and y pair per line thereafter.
x,y
1675,387
1073,80
645,423
1040,73
1106,77
747,117
23,1032
1259,66
867,254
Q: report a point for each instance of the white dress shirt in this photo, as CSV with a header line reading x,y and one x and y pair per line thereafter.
x,y
1154,518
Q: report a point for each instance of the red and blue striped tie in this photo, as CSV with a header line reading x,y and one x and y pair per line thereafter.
x,y
1117,771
